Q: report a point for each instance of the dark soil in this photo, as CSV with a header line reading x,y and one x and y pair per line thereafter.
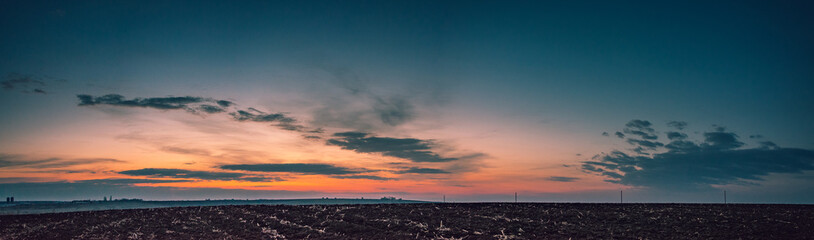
x,y
425,221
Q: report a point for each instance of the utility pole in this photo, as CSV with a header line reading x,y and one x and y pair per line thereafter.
x,y
445,198
724,196
515,197
620,197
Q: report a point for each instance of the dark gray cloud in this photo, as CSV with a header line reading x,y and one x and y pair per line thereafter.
x,y
645,144
700,169
303,168
197,105
605,134
676,136
756,136
680,125
721,140
639,124
25,84
224,103
413,149
255,115
278,119
689,165
210,109
619,134
423,171
561,179
201,175
682,146
370,177
163,103
641,128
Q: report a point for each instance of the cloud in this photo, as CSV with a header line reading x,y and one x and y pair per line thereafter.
x,y
26,84
163,103
370,177
619,134
412,149
358,106
676,136
187,151
127,181
423,171
721,140
605,134
202,175
78,161
303,168
561,179
280,119
197,105
10,161
224,103
682,146
260,116
393,110
641,128
210,109
680,125
700,169
650,145
689,165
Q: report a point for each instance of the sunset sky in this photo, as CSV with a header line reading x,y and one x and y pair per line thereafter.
x,y
566,101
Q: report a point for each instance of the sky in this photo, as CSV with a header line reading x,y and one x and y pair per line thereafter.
x,y
472,101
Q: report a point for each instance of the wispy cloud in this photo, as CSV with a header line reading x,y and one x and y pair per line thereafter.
x,y
303,168
24,84
201,175
416,150
423,171
360,107
198,105
127,181
19,161
561,179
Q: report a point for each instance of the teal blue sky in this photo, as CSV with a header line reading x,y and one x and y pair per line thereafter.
x,y
444,70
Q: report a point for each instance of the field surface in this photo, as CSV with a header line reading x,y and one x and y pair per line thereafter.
x,y
18,208
424,221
